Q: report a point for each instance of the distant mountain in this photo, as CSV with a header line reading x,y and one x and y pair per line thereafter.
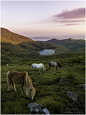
x,y
72,44
13,38
26,43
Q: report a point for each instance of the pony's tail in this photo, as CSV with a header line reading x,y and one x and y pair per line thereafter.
x,y
8,81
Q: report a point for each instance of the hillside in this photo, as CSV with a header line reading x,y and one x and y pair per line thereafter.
x,y
9,39
60,45
51,85
17,47
13,38
72,44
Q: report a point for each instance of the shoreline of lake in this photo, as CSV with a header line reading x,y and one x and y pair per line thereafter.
x,y
47,52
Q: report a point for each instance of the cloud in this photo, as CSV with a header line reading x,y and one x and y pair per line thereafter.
x,y
76,13
70,17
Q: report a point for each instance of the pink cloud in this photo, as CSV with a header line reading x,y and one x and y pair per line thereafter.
x,y
70,16
76,13
71,24
68,20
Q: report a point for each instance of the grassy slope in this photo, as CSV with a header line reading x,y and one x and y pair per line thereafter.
x,y
15,52
51,86
72,44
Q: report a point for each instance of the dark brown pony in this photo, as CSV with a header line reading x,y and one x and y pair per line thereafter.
x,y
14,77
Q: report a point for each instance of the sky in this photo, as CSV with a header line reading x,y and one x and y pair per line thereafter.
x,y
44,20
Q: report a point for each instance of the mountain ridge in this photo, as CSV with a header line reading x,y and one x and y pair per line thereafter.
x,y
72,44
23,48
25,42
5,33
13,38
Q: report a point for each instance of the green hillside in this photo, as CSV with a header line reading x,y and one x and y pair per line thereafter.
x,y
15,48
72,44
19,47
51,85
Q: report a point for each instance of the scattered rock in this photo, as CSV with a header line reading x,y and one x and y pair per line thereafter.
x,y
38,108
72,95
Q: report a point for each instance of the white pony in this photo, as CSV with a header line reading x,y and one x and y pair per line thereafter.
x,y
38,66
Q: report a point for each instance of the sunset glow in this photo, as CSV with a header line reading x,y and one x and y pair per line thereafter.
x,y
42,20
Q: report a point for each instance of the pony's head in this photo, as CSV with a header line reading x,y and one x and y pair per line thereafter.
x,y
59,66
43,67
32,93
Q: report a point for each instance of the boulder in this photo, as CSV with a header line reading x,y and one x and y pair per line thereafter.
x,y
38,108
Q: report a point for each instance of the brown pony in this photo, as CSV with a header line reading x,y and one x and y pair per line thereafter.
x,y
14,77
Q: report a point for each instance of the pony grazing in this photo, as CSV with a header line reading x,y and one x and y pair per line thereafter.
x,y
38,66
54,64
14,77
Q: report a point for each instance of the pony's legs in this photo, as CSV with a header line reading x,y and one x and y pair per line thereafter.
x,y
31,67
56,67
44,68
9,84
22,88
14,87
39,70
9,87
49,68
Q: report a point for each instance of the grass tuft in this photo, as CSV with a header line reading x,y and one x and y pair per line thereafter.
x,y
52,106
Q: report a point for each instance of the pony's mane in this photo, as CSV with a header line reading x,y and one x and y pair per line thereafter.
x,y
28,79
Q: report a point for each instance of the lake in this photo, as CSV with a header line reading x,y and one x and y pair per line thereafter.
x,y
47,52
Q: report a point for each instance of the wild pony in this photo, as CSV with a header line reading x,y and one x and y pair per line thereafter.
x,y
38,66
14,77
54,64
